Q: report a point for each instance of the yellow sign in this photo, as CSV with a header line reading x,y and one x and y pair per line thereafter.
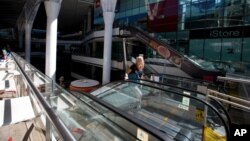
x,y
199,115
211,135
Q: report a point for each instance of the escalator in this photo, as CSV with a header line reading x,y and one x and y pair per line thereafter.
x,y
191,66
71,118
180,116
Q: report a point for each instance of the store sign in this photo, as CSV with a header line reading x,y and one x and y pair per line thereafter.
x,y
224,34
229,32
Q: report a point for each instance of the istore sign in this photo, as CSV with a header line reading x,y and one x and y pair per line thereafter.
x,y
229,32
224,34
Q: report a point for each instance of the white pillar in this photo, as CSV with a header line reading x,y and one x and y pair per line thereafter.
x,y
28,28
108,19
108,7
52,10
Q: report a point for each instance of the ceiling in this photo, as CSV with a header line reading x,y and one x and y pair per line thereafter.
x,y
9,12
70,19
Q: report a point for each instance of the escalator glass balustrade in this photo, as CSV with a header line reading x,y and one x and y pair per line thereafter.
x,y
180,116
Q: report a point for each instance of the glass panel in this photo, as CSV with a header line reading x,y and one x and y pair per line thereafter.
x,y
143,9
233,15
129,13
84,122
247,9
231,49
42,82
88,122
142,2
122,7
247,20
129,4
122,14
196,48
136,3
246,50
188,87
135,11
197,9
125,5
179,116
212,49
181,82
153,1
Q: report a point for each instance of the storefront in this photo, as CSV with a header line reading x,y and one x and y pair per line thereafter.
x,y
224,44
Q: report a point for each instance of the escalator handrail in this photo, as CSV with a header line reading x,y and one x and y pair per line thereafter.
x,y
58,124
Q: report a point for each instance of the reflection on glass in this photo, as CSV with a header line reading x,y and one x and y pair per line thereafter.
x,y
85,119
85,123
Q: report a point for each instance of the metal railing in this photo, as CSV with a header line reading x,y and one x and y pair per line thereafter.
x,y
53,119
234,101
233,79
50,114
228,99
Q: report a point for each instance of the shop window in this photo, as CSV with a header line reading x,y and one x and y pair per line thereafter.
x,y
135,11
231,49
246,50
196,48
129,13
247,9
136,3
212,49
233,15
142,2
143,9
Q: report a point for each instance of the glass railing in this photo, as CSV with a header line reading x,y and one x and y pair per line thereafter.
x,y
193,87
235,97
236,85
206,65
186,89
182,82
241,69
73,118
180,116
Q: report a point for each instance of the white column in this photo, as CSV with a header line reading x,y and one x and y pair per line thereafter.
x,y
108,8
52,10
28,28
108,19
